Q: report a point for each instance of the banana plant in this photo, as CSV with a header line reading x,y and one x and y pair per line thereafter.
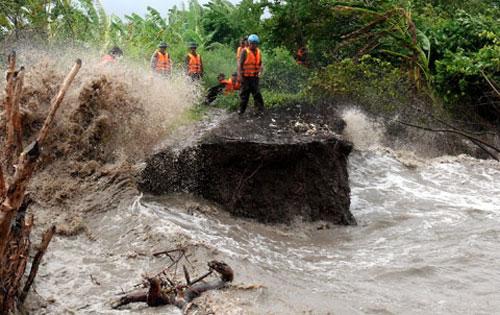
x,y
396,26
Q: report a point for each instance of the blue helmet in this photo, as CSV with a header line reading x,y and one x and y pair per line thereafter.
x,y
253,38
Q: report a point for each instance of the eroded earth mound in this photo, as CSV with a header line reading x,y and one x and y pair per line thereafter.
x,y
273,167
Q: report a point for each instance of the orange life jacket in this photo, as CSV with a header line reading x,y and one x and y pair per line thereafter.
x,y
107,59
238,53
163,64
252,63
194,66
300,54
231,86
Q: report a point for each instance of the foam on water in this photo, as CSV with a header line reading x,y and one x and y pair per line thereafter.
x,y
427,243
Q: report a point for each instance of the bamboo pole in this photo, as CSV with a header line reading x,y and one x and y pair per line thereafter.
x,y
57,101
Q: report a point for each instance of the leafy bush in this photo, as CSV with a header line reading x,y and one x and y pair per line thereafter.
x,y
221,59
468,49
371,81
282,73
277,99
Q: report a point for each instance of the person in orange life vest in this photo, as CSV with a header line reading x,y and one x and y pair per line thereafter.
x,y
233,84
249,69
194,65
112,56
160,61
302,56
216,90
243,45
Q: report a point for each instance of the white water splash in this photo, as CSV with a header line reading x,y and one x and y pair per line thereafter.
x,y
363,132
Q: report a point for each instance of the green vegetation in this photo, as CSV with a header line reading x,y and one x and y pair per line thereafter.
x,y
366,50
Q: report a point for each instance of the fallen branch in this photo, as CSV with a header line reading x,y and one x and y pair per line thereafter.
x,y
179,295
461,133
493,87
165,252
47,237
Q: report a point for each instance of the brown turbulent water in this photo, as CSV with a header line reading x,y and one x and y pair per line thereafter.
x,y
427,243
427,240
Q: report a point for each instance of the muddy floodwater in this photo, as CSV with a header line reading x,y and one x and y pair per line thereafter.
x,y
427,243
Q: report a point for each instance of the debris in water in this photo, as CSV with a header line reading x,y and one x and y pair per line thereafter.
x,y
166,289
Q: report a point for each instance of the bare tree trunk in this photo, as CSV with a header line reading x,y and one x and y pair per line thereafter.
x,y
14,233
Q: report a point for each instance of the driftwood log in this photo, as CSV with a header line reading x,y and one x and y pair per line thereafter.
x,y
14,229
168,292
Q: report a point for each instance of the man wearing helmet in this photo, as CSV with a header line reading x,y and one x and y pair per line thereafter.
x,y
194,65
160,61
249,68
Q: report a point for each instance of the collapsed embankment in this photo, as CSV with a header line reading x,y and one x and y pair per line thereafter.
x,y
275,167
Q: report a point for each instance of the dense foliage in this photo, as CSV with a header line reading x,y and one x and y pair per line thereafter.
x,y
446,48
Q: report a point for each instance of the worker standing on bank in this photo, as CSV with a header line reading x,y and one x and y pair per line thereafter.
x,y
194,65
249,68
243,45
160,61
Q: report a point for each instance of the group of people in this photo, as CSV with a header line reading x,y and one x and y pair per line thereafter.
x,y
246,79
162,64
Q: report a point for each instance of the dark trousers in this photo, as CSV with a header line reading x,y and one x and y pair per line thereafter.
x,y
195,77
213,92
249,86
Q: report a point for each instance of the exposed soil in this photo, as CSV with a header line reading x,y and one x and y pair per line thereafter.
x,y
273,167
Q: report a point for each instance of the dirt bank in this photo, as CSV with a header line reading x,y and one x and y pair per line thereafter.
x,y
275,167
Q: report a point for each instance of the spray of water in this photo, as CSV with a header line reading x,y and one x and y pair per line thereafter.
x,y
363,132
109,112
111,118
